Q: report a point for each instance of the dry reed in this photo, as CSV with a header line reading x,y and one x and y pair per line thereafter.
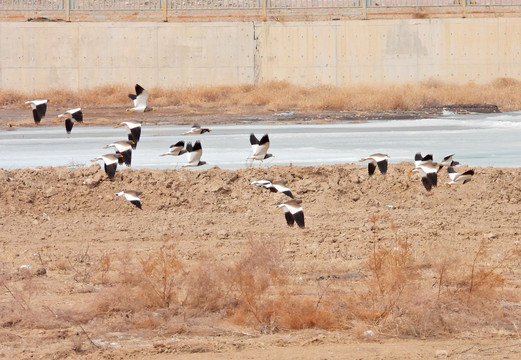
x,y
281,96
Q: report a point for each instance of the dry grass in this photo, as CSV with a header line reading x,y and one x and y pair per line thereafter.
x,y
401,295
281,96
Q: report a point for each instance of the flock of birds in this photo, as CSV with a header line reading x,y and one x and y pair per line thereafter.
x,y
293,212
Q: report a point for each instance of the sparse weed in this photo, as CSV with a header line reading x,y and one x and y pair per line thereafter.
x,y
87,269
160,272
402,295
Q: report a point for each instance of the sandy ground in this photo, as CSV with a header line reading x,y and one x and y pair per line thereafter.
x,y
58,221
59,225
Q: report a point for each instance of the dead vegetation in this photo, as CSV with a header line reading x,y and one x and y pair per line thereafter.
x,y
399,293
281,96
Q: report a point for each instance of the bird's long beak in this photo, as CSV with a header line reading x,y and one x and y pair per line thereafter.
x,y
119,125
56,120
129,111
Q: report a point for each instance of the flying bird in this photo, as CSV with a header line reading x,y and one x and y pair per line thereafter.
x,y
459,178
69,115
293,212
260,148
110,162
176,149
194,154
132,196
447,161
274,186
418,158
140,101
196,130
429,174
134,131
124,148
375,160
39,109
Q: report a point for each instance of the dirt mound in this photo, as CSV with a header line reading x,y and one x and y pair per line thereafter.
x,y
58,218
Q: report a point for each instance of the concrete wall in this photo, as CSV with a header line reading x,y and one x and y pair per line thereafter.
x,y
39,56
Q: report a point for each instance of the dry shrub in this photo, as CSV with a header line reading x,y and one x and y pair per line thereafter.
x,y
408,297
208,287
160,273
256,278
393,273
264,298
153,283
297,312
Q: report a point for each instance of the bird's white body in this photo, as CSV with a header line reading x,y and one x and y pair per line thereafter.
x,y
121,146
293,212
196,130
274,186
428,171
35,103
108,159
39,108
459,178
110,162
194,155
140,100
134,131
68,114
377,160
132,196
176,149
260,147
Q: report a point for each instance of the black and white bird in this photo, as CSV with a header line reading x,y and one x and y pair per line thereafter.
x,y
196,130
447,161
418,158
194,154
132,196
134,131
380,160
293,212
124,148
260,147
176,149
70,115
428,172
274,186
140,100
459,178
39,109
110,162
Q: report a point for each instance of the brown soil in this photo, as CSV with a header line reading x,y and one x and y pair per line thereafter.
x,y
59,227
62,222
98,115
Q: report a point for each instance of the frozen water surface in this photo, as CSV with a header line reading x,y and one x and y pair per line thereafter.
x,y
477,140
